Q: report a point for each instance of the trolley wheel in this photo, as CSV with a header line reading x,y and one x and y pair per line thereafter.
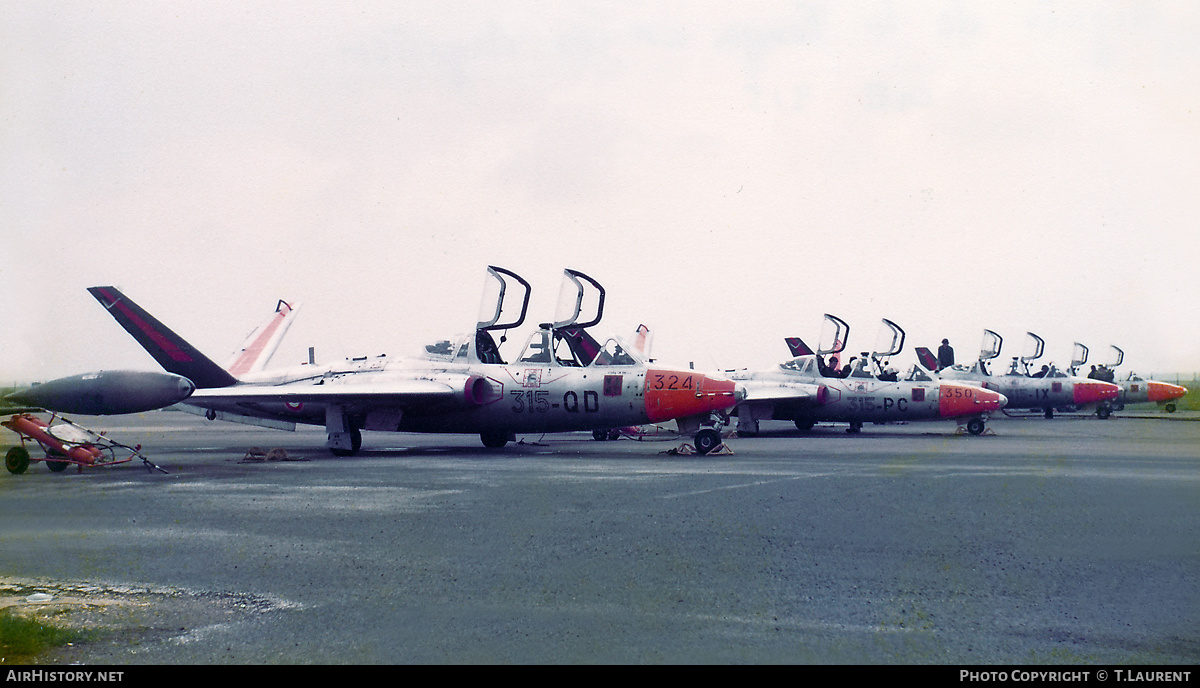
x,y
57,466
17,460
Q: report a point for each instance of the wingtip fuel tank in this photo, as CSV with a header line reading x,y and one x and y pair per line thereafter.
x,y
107,393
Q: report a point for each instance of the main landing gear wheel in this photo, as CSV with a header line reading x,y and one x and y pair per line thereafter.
x,y
975,426
805,424
707,440
494,440
17,460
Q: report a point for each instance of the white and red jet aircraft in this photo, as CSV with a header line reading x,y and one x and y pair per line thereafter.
x,y
1044,391
1137,390
564,380
803,390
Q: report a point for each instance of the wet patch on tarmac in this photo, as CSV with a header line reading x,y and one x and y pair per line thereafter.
x,y
118,619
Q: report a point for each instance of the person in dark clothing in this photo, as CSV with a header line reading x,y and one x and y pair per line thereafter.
x,y
945,355
847,368
822,368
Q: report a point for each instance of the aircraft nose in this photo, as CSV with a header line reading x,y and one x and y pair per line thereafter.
x,y
681,393
720,393
186,387
1093,391
1164,391
965,400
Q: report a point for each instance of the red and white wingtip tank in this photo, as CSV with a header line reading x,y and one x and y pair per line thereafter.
x,y
810,388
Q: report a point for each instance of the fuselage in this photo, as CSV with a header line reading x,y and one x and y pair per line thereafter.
x,y
858,398
517,397
1135,390
1055,390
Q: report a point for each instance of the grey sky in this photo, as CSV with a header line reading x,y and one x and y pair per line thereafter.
x,y
729,172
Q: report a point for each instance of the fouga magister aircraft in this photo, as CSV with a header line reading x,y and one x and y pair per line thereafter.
x,y
564,380
1044,391
806,391
1136,390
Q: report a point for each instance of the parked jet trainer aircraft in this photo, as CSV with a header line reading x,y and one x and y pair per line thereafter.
x,y
804,391
565,380
1046,390
1136,390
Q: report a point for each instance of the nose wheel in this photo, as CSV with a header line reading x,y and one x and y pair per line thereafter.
x,y
707,440
975,426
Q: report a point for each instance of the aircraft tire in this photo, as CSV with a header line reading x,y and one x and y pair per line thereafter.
x,y
1103,412
975,426
17,460
804,424
494,440
614,434
601,435
707,440
1169,408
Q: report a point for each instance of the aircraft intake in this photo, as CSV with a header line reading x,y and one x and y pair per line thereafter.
x,y
107,393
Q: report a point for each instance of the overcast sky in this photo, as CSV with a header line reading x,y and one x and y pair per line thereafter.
x,y
729,171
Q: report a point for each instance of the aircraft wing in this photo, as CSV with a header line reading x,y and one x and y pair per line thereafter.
x,y
405,394
794,392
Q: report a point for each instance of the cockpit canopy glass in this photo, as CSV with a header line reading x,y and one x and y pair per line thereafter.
x,y
547,346
539,348
918,375
614,353
446,349
861,368
802,364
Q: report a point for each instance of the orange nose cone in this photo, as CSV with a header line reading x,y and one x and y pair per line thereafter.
x,y
1093,391
1164,391
965,400
680,393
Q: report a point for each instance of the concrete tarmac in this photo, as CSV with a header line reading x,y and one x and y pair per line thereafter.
x,y
1066,541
